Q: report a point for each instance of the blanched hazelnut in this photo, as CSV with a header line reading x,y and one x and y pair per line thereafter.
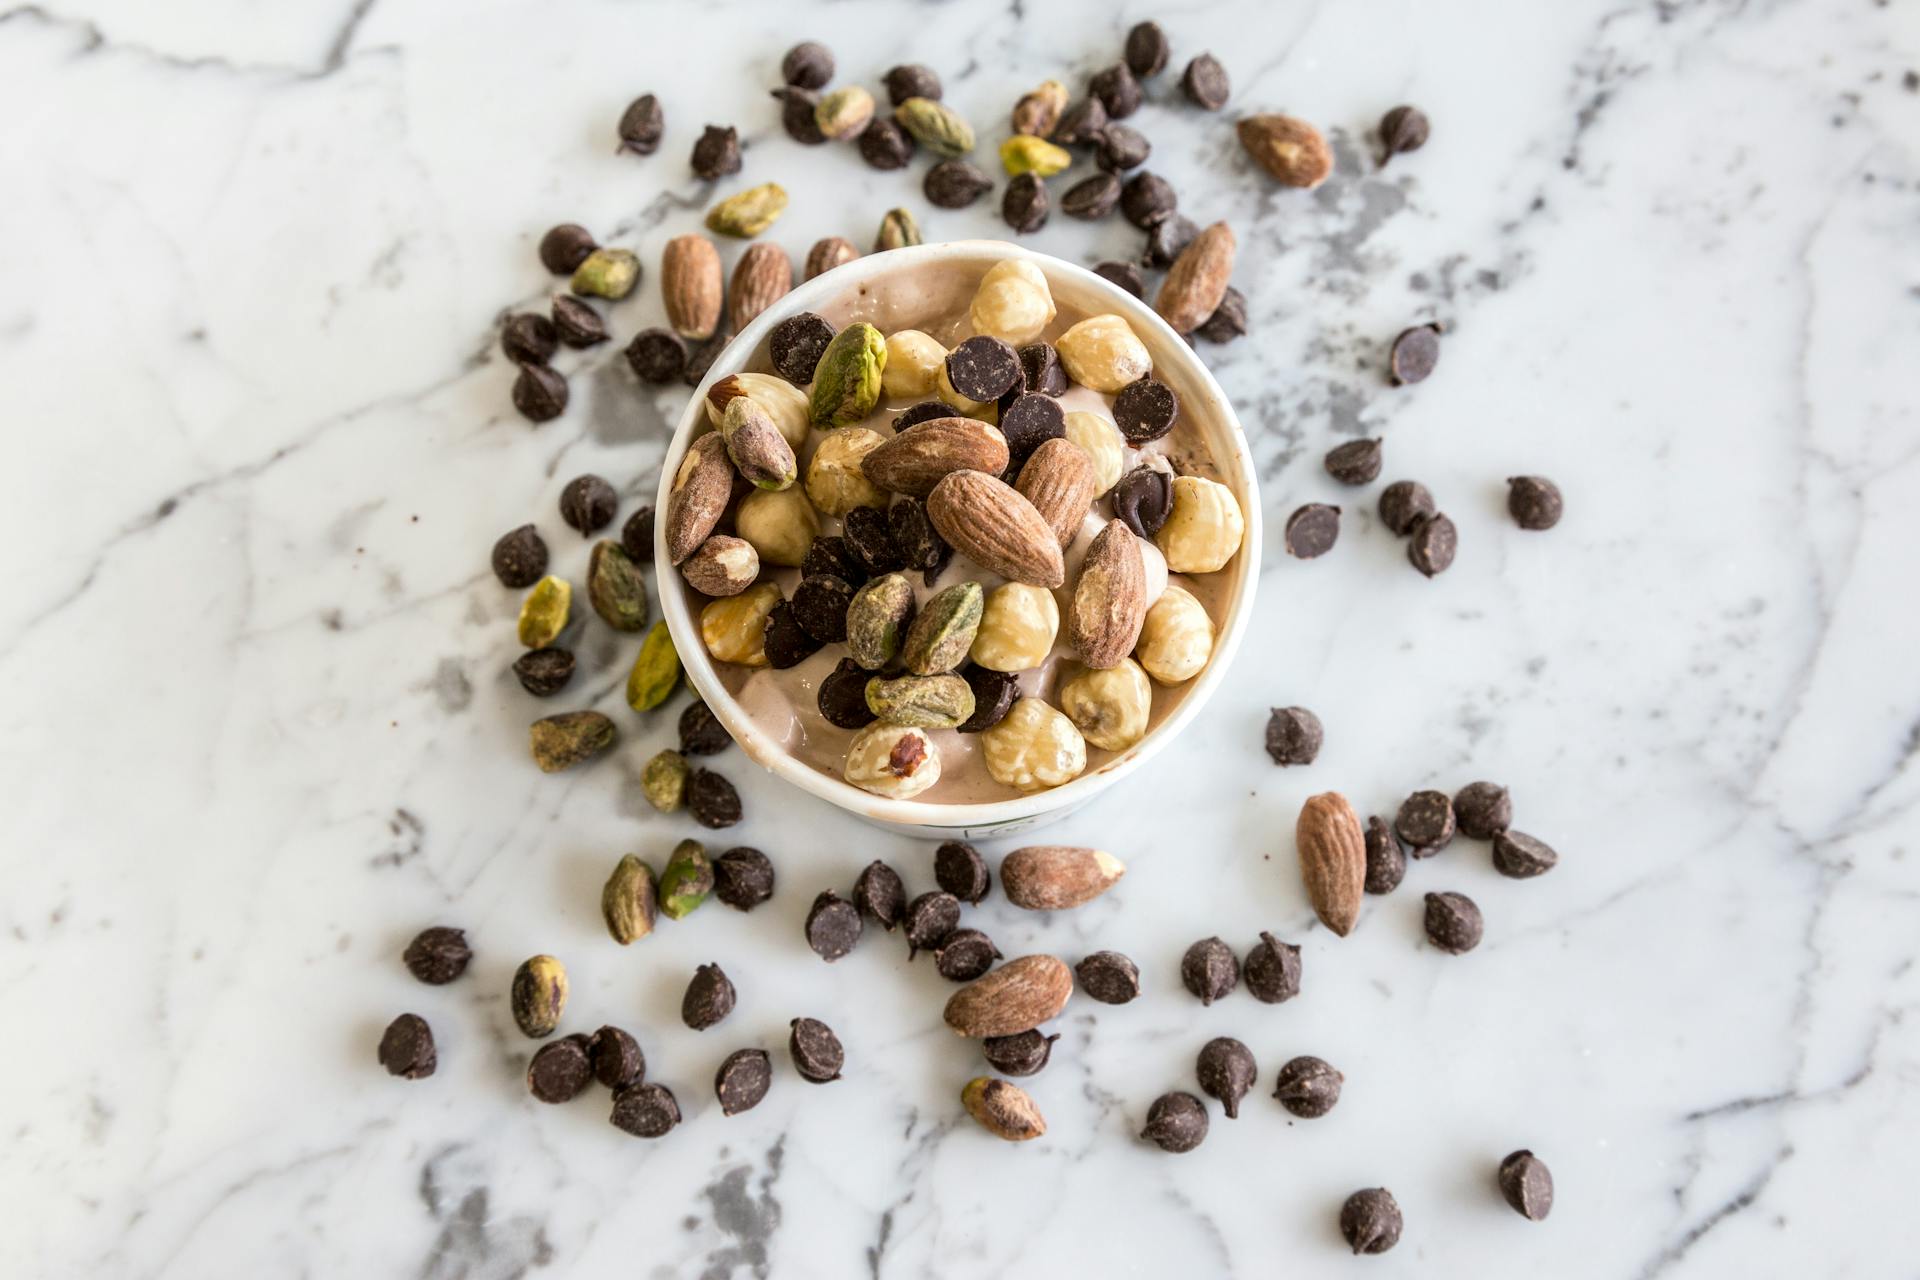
x,y
1017,628
1101,441
896,761
1177,638
913,361
1110,707
1013,302
1104,353
1204,528
785,403
735,629
779,523
835,483
1034,748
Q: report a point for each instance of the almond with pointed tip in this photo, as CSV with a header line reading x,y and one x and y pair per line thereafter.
x,y
761,278
1018,996
1333,859
917,459
1198,279
690,285
1058,480
1054,877
1110,599
990,523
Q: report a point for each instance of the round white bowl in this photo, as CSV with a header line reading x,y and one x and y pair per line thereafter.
x,y
1204,410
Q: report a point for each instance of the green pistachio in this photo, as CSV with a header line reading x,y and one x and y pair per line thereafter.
x,y
846,382
747,213
664,781
628,903
655,671
1024,153
563,741
877,619
921,702
544,613
615,588
759,450
687,881
935,126
897,231
940,637
539,996
607,273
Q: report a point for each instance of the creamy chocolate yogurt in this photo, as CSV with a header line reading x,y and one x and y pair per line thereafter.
x,y
941,303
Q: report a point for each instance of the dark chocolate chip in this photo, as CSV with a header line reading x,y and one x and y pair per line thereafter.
x,y
1210,969
880,895
406,1048
1022,1054
817,1054
1124,274
1386,858
701,733
743,878
1432,544
885,145
712,800
796,345
808,64
646,1110
1143,499
1294,736
1145,410
828,554
833,926
1312,530
641,125
539,393
925,411
964,955
438,955
1414,354
1040,366
1403,129
1272,970
1425,821
961,871
576,323
1226,1071
717,153
588,504
820,607
520,557
955,184
787,643
565,247
1029,422
656,356
742,1080
797,115
1168,239
710,996
1454,923
1527,1185
528,338
544,672
701,357
994,693
1521,856
1091,198
1024,205
843,696
636,535
1308,1087
1109,977
914,537
617,1060
1081,124
1403,504
1370,1221
1229,319
1483,810
983,368
1117,91
1147,199
1176,1122
1146,49
1122,147
869,537
1534,502
911,80
1355,462
560,1071
929,919
1205,83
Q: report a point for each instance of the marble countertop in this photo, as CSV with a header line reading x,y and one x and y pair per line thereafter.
x,y
259,726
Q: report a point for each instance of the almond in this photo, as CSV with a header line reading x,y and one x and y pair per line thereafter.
x,y
690,283
761,278
1018,996
1053,877
916,460
1333,859
1288,148
1198,279
700,494
1110,599
1058,480
1004,1110
987,521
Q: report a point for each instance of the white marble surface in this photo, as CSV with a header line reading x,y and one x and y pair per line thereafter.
x,y
258,726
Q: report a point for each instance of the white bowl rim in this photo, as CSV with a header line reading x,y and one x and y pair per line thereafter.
x,y
772,755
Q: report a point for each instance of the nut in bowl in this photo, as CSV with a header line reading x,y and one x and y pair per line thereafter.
x,y
1014,555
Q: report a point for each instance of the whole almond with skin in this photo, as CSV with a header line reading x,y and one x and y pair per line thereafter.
x,y
1058,480
699,497
828,253
1289,149
1054,877
761,278
1333,859
690,285
1018,996
1110,599
990,523
917,459
1198,279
